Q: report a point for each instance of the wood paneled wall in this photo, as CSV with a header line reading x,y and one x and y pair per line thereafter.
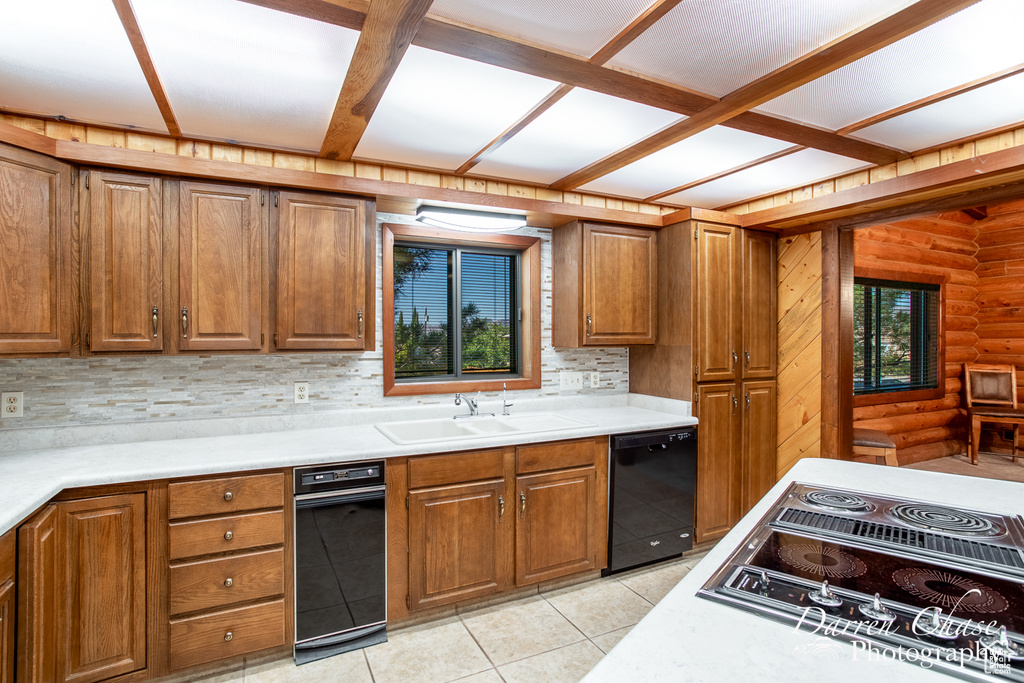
x,y
1000,288
938,245
799,362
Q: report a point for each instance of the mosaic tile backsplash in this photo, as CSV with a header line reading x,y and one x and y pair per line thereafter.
x,y
91,391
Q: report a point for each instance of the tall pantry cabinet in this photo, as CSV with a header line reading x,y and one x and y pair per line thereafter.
x,y
734,397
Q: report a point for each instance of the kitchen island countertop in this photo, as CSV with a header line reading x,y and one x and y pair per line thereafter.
x,y
689,639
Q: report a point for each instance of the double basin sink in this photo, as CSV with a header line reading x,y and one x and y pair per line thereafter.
x,y
477,427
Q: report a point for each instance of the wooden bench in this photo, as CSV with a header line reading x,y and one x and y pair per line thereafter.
x,y
871,445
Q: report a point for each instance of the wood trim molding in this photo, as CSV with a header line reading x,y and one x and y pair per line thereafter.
x,y
698,214
135,37
530,275
837,343
387,32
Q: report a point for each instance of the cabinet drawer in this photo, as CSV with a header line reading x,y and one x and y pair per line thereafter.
x,y
226,634
214,583
226,495
559,455
223,534
456,468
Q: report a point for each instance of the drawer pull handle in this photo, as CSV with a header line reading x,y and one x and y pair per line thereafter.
x,y
228,636
229,582
360,323
228,535
501,507
184,321
522,504
156,320
228,495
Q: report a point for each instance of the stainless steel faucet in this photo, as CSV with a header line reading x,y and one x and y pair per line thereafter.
x,y
505,405
473,409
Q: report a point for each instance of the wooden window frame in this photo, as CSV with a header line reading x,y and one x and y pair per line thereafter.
x,y
529,250
940,344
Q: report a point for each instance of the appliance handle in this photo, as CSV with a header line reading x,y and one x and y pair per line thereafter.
x,y
310,500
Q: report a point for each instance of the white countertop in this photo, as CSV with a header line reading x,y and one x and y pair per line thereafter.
x,y
29,478
686,638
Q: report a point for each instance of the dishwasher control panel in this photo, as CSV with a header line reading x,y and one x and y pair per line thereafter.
x,y
338,477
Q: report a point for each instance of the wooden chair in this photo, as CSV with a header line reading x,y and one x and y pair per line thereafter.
x,y
991,392
871,445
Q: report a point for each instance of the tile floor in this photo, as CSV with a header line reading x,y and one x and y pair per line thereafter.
x,y
554,636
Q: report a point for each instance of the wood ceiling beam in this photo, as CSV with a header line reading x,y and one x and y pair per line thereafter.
x,y
131,28
735,169
387,33
647,19
345,13
828,58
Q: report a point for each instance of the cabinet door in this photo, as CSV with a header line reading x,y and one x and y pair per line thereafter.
x,y
620,282
322,289
39,586
759,429
717,293
760,292
459,540
8,600
717,460
102,626
36,269
220,242
557,527
125,277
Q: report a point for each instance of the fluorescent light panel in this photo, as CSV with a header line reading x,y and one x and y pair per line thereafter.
x,y
469,220
239,72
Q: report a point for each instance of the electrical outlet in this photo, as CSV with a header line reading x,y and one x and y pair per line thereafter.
x,y
595,380
13,404
571,381
302,392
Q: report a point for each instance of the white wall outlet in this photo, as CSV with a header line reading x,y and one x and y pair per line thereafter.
x,y
302,392
595,380
13,404
571,381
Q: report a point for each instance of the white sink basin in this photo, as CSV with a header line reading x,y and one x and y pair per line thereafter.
x,y
450,429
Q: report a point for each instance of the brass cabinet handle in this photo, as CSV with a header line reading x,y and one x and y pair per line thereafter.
x,y
184,321
228,535
501,507
746,408
229,582
228,636
156,320
746,355
522,504
735,403
735,357
360,323
228,495
589,322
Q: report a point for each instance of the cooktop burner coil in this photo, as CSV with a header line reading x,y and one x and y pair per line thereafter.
x,y
836,501
946,520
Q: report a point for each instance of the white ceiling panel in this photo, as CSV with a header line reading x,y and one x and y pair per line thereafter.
x,y
716,46
72,58
920,65
707,153
577,130
795,170
440,110
581,27
994,106
239,72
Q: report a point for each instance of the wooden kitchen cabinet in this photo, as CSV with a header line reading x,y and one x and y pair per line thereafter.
x,y
758,303
123,271
759,425
82,597
221,267
8,602
605,285
326,256
38,272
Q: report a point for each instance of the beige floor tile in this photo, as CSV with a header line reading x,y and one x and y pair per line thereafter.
x,y
489,676
599,607
565,665
521,629
654,584
232,673
430,653
609,640
349,667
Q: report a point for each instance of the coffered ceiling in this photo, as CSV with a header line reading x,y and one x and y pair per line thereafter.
x,y
681,102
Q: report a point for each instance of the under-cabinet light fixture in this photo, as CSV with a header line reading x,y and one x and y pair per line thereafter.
x,y
469,221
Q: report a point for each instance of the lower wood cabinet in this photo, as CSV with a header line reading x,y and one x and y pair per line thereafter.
x,y
466,525
8,601
735,453
82,594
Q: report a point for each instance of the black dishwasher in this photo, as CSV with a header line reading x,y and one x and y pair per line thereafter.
x,y
653,484
339,559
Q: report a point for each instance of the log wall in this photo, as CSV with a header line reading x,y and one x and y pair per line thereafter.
x,y
799,354
938,245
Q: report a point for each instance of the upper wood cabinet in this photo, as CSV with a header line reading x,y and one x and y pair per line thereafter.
x,y
605,285
123,270
735,295
221,235
325,273
37,263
